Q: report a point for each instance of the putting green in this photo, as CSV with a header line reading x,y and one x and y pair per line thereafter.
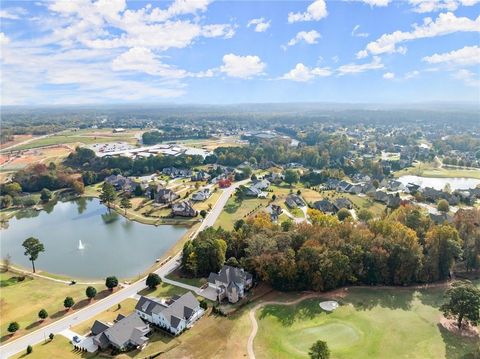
x,y
340,336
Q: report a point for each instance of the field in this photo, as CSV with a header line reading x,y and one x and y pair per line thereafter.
x,y
21,301
235,210
429,170
59,347
24,158
370,323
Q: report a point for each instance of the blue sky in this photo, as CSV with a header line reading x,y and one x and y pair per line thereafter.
x,y
202,51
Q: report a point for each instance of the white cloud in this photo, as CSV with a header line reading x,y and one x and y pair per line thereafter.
x,y
309,37
315,11
376,2
302,73
388,76
4,40
412,74
469,55
446,23
12,13
422,6
468,77
242,66
218,30
141,59
260,24
358,34
356,68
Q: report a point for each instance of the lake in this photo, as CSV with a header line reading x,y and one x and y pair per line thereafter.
x,y
439,183
112,244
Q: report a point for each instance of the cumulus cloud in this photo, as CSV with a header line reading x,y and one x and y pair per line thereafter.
x,y
376,2
446,23
469,55
357,68
260,24
242,66
358,34
422,6
4,40
388,76
309,37
302,73
141,59
12,13
468,77
315,11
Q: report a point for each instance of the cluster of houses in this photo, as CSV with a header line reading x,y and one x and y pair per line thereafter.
x,y
332,207
131,332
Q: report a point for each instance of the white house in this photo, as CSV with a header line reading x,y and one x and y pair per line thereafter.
x,y
174,315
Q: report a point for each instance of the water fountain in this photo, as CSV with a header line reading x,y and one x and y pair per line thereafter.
x,y
80,245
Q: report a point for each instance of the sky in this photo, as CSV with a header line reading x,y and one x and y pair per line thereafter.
x,y
221,52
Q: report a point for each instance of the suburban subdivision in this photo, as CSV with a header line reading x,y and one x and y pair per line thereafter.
x,y
234,179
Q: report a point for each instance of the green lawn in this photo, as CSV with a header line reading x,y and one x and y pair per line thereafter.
x,y
370,323
429,170
235,210
21,301
59,347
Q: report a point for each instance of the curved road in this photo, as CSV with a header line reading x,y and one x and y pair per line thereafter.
x,y
253,320
96,308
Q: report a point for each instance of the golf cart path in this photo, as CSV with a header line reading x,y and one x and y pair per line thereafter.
x,y
254,322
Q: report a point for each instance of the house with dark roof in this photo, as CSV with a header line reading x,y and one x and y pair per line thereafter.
x,y
183,209
230,283
294,201
173,315
343,203
275,211
121,183
201,176
126,332
326,206
165,195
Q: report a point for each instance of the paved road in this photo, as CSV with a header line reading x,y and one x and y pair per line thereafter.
x,y
94,309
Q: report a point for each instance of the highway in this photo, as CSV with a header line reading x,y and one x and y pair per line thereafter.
x,y
96,308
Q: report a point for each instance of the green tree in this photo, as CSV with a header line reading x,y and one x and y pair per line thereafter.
x,y
443,206
343,214
319,350
51,336
286,225
29,349
111,282
90,292
43,314
238,224
274,197
6,201
125,203
463,303
291,176
364,215
203,213
13,327
203,304
108,194
45,195
153,280
33,247
138,191
68,302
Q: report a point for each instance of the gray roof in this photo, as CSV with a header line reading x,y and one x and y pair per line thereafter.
x,y
229,274
131,328
179,307
99,327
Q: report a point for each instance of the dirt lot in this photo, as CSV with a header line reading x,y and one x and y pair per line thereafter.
x,y
45,155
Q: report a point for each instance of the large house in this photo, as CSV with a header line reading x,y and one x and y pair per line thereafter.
x,y
165,195
201,176
257,188
126,332
201,195
294,201
121,183
174,315
174,172
183,209
230,283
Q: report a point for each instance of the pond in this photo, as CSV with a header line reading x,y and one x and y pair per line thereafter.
x,y
439,183
83,239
